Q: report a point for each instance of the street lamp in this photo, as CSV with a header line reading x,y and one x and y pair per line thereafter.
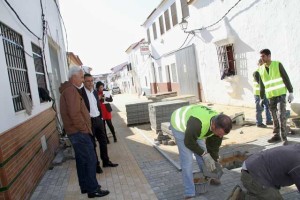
x,y
183,24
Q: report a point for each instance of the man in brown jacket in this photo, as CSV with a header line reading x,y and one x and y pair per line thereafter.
x,y
77,125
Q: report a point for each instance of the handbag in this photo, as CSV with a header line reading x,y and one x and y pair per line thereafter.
x,y
108,107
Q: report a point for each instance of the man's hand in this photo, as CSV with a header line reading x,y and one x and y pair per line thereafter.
x,y
209,162
290,97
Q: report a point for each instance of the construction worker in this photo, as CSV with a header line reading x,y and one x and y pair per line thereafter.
x,y
258,107
275,83
198,130
264,173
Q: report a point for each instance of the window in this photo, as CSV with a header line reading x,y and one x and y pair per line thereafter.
x,y
161,25
148,36
160,74
16,65
184,9
167,20
174,73
40,72
174,14
226,60
154,31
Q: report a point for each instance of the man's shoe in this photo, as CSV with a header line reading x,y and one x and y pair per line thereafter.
x,y
110,164
108,142
85,191
214,181
274,139
235,194
270,123
98,193
285,141
115,140
99,170
261,126
189,197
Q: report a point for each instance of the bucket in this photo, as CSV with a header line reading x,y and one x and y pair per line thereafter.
x,y
201,185
296,121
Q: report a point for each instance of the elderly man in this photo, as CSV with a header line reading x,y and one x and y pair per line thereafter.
x,y
199,130
264,173
77,124
91,100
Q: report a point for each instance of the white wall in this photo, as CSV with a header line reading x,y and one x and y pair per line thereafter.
x,y
253,25
30,13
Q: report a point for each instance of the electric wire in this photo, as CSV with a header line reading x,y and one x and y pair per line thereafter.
x,y
21,20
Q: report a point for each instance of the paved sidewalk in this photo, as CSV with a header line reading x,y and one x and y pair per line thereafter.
x,y
143,172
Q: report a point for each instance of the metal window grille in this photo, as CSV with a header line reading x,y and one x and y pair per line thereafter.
x,y
226,60
39,67
16,64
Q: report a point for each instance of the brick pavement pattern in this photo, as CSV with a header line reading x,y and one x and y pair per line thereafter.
x,y
143,172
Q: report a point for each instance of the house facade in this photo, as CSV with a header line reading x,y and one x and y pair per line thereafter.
x,y
215,57
139,65
34,63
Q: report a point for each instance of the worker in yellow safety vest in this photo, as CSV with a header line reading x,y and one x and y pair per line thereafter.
x,y
275,83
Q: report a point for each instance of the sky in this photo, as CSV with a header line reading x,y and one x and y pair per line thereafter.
x,y
99,31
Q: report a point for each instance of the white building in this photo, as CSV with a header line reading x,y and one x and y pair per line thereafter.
x,y
139,67
28,134
231,36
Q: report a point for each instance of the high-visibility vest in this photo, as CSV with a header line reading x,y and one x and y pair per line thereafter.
x,y
256,89
274,85
180,117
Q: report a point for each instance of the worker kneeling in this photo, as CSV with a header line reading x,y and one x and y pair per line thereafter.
x,y
198,130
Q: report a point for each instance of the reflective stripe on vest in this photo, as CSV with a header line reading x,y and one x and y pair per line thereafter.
x,y
180,117
273,82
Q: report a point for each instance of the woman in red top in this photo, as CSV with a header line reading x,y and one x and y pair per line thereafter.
x,y
106,109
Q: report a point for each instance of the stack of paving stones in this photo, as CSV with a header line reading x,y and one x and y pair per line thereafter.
x,y
160,112
137,112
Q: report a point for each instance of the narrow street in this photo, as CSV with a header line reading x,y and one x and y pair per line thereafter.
x,y
143,172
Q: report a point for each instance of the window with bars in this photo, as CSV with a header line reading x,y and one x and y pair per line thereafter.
x,y
184,9
167,20
174,14
161,25
39,71
174,73
16,65
154,31
226,60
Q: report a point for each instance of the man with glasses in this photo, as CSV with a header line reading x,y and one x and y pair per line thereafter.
x,y
91,100
198,130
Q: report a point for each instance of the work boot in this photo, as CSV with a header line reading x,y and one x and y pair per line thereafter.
x,y
270,123
235,193
285,141
274,139
261,126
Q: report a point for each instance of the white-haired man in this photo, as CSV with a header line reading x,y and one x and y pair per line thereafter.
x,y
77,124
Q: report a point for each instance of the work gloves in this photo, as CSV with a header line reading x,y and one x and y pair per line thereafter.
x,y
209,162
290,97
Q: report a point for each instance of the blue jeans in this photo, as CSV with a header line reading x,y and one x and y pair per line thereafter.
x,y
85,161
260,109
186,161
